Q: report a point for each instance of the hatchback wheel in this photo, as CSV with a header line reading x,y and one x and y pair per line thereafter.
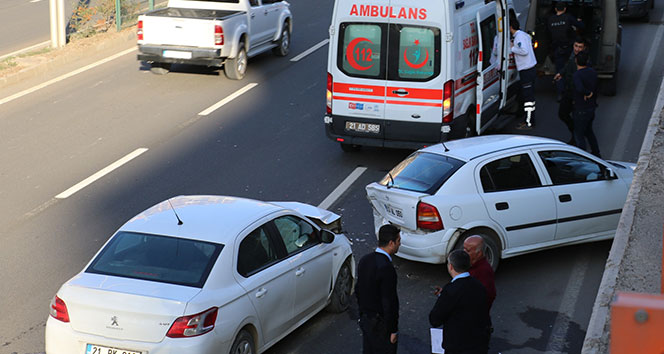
x,y
491,248
243,344
341,293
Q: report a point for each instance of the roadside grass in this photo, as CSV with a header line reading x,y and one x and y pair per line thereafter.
x,y
7,63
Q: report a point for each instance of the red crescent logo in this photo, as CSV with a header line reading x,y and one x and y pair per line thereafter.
x,y
349,54
416,66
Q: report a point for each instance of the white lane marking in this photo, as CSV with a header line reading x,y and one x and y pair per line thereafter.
x,y
233,96
337,192
84,183
558,339
27,49
35,1
310,50
65,76
625,131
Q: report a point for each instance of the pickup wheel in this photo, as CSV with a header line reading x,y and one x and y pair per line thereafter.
x,y
160,68
236,68
284,42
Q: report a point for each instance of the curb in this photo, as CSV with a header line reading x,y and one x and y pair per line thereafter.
x,y
597,335
62,56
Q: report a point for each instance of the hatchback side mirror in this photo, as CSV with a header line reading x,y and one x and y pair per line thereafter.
x,y
609,174
327,236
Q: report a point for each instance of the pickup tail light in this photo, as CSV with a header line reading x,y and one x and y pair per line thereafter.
x,y
139,30
59,309
218,35
448,101
193,325
329,93
428,217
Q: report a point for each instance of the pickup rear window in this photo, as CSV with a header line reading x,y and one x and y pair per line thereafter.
x,y
422,172
157,258
394,52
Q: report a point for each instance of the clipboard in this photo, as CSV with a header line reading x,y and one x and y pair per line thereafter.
x,y
437,341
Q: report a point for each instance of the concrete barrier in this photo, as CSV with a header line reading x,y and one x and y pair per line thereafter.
x,y
635,260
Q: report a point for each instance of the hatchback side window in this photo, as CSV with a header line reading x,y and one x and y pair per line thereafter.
x,y
296,233
509,173
566,167
256,252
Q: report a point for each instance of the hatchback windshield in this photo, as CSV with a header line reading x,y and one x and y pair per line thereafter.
x,y
158,258
422,172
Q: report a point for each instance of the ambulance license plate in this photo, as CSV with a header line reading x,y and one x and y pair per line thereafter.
x,y
98,349
363,127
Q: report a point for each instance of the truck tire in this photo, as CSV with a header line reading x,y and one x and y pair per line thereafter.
x,y
160,68
281,50
236,68
469,118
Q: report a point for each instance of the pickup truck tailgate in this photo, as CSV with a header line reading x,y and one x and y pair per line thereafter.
x,y
183,27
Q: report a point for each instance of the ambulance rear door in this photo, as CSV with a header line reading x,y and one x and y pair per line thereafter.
x,y
413,108
488,63
507,66
358,66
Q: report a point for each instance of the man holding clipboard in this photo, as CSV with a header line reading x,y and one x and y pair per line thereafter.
x,y
461,309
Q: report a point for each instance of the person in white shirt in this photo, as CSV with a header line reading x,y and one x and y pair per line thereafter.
x,y
524,56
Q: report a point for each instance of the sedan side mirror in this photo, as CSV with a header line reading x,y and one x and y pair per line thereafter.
x,y
327,236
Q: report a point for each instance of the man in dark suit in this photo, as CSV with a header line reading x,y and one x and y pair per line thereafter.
x,y
461,309
376,292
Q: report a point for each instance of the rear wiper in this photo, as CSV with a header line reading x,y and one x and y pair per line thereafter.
x,y
389,185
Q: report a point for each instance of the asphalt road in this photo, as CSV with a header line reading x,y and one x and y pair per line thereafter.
x,y
268,144
24,23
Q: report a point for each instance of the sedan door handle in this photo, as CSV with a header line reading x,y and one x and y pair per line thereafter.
x,y
261,292
299,271
564,198
502,206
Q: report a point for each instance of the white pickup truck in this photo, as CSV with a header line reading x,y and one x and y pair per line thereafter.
x,y
213,33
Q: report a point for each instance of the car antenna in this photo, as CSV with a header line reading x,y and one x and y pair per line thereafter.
x,y
446,149
176,214
391,180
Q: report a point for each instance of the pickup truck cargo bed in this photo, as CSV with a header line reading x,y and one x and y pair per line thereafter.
x,y
194,13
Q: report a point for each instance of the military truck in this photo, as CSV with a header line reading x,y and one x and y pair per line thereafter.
x,y
602,30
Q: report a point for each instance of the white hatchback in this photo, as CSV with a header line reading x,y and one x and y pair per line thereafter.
x,y
520,193
204,274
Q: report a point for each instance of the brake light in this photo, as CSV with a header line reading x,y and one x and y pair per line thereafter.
x,y
428,217
329,93
193,325
448,101
218,35
59,309
139,30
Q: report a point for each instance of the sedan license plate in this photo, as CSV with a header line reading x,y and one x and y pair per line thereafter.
x,y
98,349
363,127
176,54
393,211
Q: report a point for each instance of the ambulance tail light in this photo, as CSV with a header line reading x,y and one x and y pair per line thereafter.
x,y
329,93
218,35
428,217
139,30
448,101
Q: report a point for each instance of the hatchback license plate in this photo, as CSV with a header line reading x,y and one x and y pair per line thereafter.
x,y
363,127
393,211
98,349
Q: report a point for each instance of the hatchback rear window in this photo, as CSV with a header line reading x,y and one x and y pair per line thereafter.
x,y
422,172
158,258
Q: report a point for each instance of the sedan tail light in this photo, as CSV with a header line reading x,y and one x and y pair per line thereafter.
x,y
329,93
193,325
59,309
428,217
218,35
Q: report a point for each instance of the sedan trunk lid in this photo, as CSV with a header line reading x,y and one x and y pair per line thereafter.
x,y
123,308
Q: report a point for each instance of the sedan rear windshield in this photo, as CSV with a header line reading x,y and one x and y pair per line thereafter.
x,y
422,172
158,258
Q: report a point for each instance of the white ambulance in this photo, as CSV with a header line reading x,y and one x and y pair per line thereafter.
x,y
407,73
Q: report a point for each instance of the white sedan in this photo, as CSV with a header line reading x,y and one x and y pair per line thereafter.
x,y
204,274
520,193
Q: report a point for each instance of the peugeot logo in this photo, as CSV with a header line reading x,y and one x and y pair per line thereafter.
x,y
114,321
